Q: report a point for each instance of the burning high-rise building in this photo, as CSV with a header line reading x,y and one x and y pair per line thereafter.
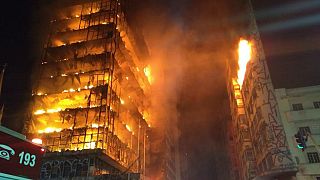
x,y
90,106
272,114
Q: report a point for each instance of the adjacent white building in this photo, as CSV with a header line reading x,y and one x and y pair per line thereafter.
x,y
299,109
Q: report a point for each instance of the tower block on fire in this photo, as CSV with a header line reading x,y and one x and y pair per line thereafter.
x,y
90,101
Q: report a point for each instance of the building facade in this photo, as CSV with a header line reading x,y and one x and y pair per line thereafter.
x,y
300,111
90,106
270,117
240,141
171,164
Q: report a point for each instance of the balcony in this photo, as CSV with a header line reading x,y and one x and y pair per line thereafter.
x,y
307,114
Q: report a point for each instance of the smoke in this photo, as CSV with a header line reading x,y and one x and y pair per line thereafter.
x,y
189,43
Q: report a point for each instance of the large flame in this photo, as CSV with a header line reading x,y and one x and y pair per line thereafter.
x,y
244,56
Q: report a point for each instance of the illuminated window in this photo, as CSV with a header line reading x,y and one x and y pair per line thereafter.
x,y
297,107
313,157
316,104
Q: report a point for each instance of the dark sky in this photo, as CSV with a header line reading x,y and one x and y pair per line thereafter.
x,y
193,38
290,33
15,51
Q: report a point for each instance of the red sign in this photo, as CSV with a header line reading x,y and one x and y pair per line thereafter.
x,y
19,157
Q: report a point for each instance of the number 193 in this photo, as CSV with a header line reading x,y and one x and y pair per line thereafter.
x,y
27,159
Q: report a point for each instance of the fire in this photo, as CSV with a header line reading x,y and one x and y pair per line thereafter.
x,y
94,125
122,101
244,53
54,110
42,111
147,72
128,127
49,130
37,141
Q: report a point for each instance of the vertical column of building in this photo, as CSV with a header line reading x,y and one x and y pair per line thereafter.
x,y
269,141
241,144
133,78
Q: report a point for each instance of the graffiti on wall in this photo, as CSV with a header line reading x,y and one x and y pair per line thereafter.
x,y
64,168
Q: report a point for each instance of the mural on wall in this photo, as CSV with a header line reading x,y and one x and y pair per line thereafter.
x,y
269,136
64,168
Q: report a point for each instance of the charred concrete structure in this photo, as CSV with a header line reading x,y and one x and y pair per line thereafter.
x,y
90,106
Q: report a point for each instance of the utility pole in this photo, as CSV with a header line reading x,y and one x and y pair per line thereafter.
x,y
1,80
3,68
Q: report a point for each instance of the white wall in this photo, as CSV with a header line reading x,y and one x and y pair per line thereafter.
x,y
292,120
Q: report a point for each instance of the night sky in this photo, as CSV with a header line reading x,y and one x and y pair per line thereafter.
x,y
192,39
290,33
16,46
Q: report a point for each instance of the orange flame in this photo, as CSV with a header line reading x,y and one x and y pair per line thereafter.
x,y
128,127
37,141
244,56
147,72
49,130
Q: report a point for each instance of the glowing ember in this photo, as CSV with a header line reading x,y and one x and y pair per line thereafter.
x,y
122,101
40,111
54,110
94,125
37,141
147,72
244,53
49,130
128,127
92,145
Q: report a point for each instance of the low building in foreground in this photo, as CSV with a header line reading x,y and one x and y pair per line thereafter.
x,y
300,112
